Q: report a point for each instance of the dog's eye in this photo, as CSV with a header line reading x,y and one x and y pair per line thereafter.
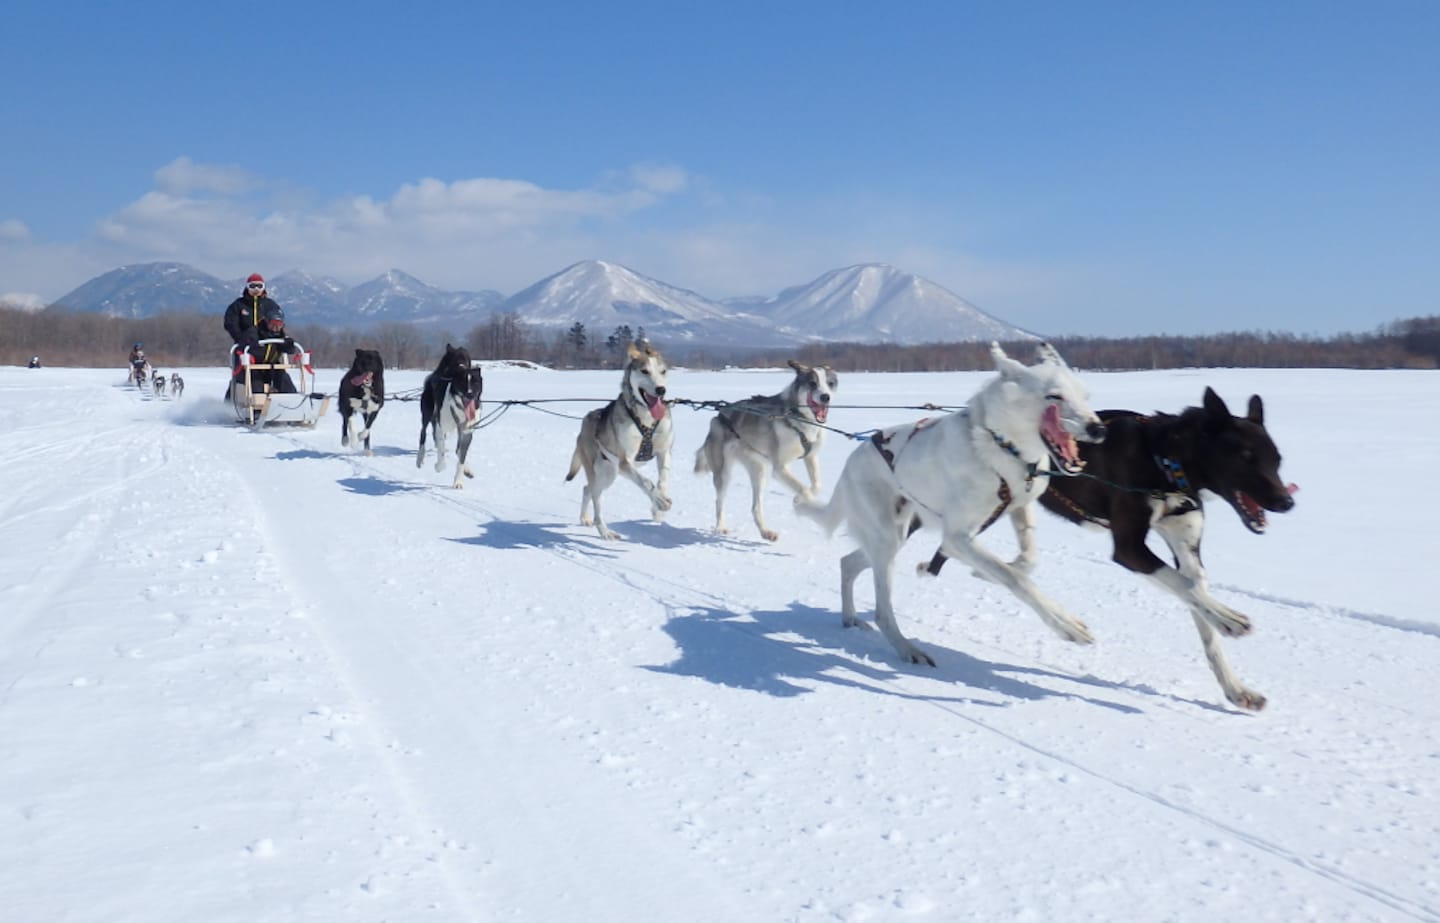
x,y
1054,397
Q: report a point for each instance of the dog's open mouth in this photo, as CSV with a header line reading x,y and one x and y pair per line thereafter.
x,y
821,411
653,402
1251,513
362,379
1063,451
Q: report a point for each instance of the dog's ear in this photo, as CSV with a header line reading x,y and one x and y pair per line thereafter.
x,y
1214,405
1047,353
1256,413
633,351
1007,367
802,369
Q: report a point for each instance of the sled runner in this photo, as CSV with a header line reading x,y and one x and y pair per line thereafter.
x,y
258,402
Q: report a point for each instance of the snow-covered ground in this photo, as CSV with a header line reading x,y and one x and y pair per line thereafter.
x,y
249,676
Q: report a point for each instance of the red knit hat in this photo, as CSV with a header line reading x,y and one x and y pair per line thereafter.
x,y
255,277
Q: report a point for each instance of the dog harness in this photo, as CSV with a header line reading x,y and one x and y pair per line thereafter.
x,y
805,444
1004,494
647,435
1031,468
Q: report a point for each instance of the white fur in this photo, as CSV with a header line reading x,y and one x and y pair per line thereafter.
x,y
768,435
948,471
609,441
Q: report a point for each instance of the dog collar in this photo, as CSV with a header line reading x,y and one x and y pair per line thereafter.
x,y
1174,473
1031,468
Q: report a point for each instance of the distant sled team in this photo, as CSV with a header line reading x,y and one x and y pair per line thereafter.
x,y
1027,436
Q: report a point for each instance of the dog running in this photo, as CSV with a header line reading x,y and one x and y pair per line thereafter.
x,y
450,401
1149,473
177,384
626,432
157,382
362,392
769,432
959,473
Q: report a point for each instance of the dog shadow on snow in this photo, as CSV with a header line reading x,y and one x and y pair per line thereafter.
x,y
777,651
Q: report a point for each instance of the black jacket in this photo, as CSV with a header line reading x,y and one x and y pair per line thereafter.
x,y
240,316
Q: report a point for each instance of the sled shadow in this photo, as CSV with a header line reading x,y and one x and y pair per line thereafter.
x,y
789,652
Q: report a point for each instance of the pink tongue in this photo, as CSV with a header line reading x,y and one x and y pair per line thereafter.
x,y
657,406
820,410
469,411
360,381
1050,424
1292,488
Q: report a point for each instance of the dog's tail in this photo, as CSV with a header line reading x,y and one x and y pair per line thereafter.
x,y
575,463
828,515
714,444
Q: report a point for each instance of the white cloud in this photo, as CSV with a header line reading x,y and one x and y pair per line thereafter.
x,y
13,230
183,176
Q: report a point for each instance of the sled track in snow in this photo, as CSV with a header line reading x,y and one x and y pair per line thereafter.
x,y
680,599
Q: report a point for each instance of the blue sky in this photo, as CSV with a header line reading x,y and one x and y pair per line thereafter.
x,y
1102,168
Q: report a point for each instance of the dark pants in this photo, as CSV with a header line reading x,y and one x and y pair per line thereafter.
x,y
278,380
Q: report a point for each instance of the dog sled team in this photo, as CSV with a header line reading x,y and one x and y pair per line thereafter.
x,y
1027,437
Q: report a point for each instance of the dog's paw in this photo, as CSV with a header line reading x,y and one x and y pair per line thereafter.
x,y
662,503
1248,699
769,535
917,656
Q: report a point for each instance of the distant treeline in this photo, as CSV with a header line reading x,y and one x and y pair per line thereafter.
x,y
85,339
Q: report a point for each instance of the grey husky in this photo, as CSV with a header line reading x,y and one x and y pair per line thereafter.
x,y
769,432
627,432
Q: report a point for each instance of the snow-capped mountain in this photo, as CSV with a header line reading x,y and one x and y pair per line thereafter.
x,y
146,289
867,303
398,296
878,303
317,299
604,296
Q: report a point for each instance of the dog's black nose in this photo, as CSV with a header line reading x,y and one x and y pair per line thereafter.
x,y
660,391
824,398
1096,432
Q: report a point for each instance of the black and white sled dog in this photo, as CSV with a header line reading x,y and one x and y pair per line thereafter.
x,y
627,432
177,384
958,473
1149,473
768,432
450,401
362,391
157,382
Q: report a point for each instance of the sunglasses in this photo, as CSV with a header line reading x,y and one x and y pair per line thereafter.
x,y
256,285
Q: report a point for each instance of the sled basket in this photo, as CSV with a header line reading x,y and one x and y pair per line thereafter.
x,y
257,404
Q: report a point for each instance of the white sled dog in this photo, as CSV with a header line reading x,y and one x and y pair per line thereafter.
x,y
769,432
626,432
959,473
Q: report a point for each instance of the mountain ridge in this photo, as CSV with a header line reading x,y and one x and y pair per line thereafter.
x,y
867,302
